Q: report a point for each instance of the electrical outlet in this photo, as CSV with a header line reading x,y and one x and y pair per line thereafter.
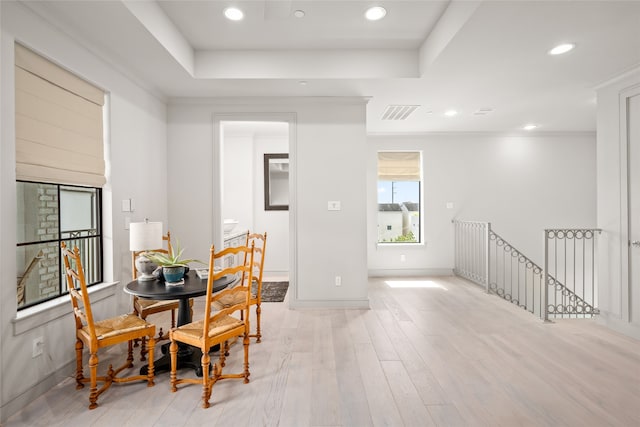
x,y
38,347
338,281
403,258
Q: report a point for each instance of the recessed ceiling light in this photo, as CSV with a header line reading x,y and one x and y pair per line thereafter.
x,y
529,127
562,48
299,13
375,13
450,113
234,14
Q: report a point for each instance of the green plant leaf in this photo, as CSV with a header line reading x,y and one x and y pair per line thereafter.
x,y
171,259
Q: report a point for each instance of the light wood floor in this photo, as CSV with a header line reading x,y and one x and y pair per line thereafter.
x,y
445,355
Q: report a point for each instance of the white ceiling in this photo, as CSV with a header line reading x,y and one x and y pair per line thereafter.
x,y
326,24
466,55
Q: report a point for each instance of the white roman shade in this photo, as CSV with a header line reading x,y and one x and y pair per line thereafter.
x,y
59,135
399,166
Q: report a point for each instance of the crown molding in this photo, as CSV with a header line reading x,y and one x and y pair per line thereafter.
x,y
502,134
271,100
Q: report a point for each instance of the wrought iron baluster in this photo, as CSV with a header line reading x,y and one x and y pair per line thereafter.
x,y
562,293
575,237
593,270
483,257
544,289
487,247
584,278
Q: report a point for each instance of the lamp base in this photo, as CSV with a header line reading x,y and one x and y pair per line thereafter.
x,y
145,268
143,277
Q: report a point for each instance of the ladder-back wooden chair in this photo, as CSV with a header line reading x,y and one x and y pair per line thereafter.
x,y
103,333
216,328
260,244
144,307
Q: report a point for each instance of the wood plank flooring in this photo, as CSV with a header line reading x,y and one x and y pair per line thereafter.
x,y
442,355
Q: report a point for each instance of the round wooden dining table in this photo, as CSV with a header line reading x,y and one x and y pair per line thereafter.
x,y
188,356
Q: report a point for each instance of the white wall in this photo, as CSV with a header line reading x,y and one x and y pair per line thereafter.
x,y
275,223
521,184
136,148
614,295
238,181
6,154
328,133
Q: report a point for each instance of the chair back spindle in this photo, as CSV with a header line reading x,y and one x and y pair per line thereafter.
x,y
219,328
78,292
146,307
242,289
259,243
94,335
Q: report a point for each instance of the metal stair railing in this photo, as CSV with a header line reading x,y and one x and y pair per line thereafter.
x,y
471,243
514,277
485,258
570,267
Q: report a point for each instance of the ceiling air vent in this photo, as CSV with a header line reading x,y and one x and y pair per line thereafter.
x,y
398,112
483,111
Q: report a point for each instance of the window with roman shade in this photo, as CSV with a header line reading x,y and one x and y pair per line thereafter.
x,y
59,171
399,166
59,129
399,196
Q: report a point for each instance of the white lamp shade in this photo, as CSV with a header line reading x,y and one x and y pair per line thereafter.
x,y
145,236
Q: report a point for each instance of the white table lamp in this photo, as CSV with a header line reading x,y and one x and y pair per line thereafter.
x,y
145,236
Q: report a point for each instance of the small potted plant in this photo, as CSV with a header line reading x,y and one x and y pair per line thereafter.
x,y
174,267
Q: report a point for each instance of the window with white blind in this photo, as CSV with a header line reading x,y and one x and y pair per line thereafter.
x,y
399,196
60,170
59,132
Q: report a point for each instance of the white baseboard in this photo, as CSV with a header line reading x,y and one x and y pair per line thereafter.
x,y
619,325
417,272
284,273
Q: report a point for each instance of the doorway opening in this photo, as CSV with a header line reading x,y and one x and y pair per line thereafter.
x,y
245,190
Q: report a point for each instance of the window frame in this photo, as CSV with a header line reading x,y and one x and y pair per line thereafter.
x,y
99,259
419,237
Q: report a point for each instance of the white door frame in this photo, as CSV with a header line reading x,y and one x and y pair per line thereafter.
x,y
217,235
625,225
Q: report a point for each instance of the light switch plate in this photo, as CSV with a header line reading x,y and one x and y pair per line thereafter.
x,y
333,205
126,205
449,205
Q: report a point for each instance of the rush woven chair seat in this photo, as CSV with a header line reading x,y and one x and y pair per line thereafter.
x,y
260,245
103,333
217,328
146,307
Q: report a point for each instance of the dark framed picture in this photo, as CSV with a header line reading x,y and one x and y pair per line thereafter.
x,y
276,182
